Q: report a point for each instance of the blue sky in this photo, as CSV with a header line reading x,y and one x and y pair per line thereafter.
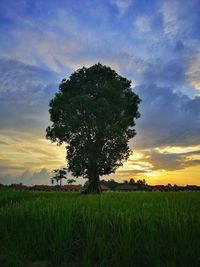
x,y
156,44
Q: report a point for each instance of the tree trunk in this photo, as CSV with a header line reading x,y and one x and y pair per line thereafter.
x,y
93,176
94,186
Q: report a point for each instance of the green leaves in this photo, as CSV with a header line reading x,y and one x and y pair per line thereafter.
x,y
94,113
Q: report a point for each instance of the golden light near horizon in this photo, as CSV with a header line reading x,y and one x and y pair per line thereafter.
x,y
178,149
26,151
141,166
188,176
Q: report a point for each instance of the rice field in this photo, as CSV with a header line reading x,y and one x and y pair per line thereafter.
x,y
114,229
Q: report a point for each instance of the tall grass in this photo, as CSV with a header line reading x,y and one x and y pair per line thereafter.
x,y
113,229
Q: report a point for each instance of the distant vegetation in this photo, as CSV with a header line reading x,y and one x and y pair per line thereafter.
x,y
142,185
113,229
105,185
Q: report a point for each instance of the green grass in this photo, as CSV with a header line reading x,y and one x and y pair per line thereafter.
x,y
114,229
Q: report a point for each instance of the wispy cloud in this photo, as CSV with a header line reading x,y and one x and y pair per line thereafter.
x,y
193,71
171,17
142,24
122,5
29,151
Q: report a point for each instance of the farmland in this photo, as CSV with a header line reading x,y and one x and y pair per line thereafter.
x,y
113,229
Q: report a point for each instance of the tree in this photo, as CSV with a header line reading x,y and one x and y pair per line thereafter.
x,y
71,181
132,181
59,175
142,185
93,113
110,183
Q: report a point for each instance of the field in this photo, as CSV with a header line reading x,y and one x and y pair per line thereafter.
x,y
114,229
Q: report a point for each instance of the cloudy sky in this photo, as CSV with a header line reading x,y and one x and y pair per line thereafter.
x,y
156,44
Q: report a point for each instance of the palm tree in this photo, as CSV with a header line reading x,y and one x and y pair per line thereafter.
x,y
59,175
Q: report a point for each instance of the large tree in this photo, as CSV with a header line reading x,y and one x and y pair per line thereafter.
x,y
94,113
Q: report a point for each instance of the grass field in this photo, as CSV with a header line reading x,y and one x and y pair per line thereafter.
x,y
114,229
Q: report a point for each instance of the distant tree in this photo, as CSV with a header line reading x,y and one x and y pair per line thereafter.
x,y
59,175
175,187
71,181
94,113
142,185
169,186
144,182
110,183
132,181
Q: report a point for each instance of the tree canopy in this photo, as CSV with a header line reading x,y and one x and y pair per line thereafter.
x,y
94,113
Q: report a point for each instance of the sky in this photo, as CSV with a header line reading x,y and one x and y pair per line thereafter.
x,y
155,44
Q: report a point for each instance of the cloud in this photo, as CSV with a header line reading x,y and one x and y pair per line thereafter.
x,y
172,162
173,72
122,5
3,143
179,20
164,72
7,164
167,159
130,172
42,176
19,78
42,46
142,24
29,151
25,90
171,17
167,118
61,40
193,71
28,178
180,150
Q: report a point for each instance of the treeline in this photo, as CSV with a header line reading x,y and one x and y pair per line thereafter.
x,y
112,184
141,185
105,185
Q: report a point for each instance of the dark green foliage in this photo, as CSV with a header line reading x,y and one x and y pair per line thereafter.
x,y
140,184
110,183
94,113
71,181
113,229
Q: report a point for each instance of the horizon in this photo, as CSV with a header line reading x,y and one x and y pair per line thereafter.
x,y
102,180
155,44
